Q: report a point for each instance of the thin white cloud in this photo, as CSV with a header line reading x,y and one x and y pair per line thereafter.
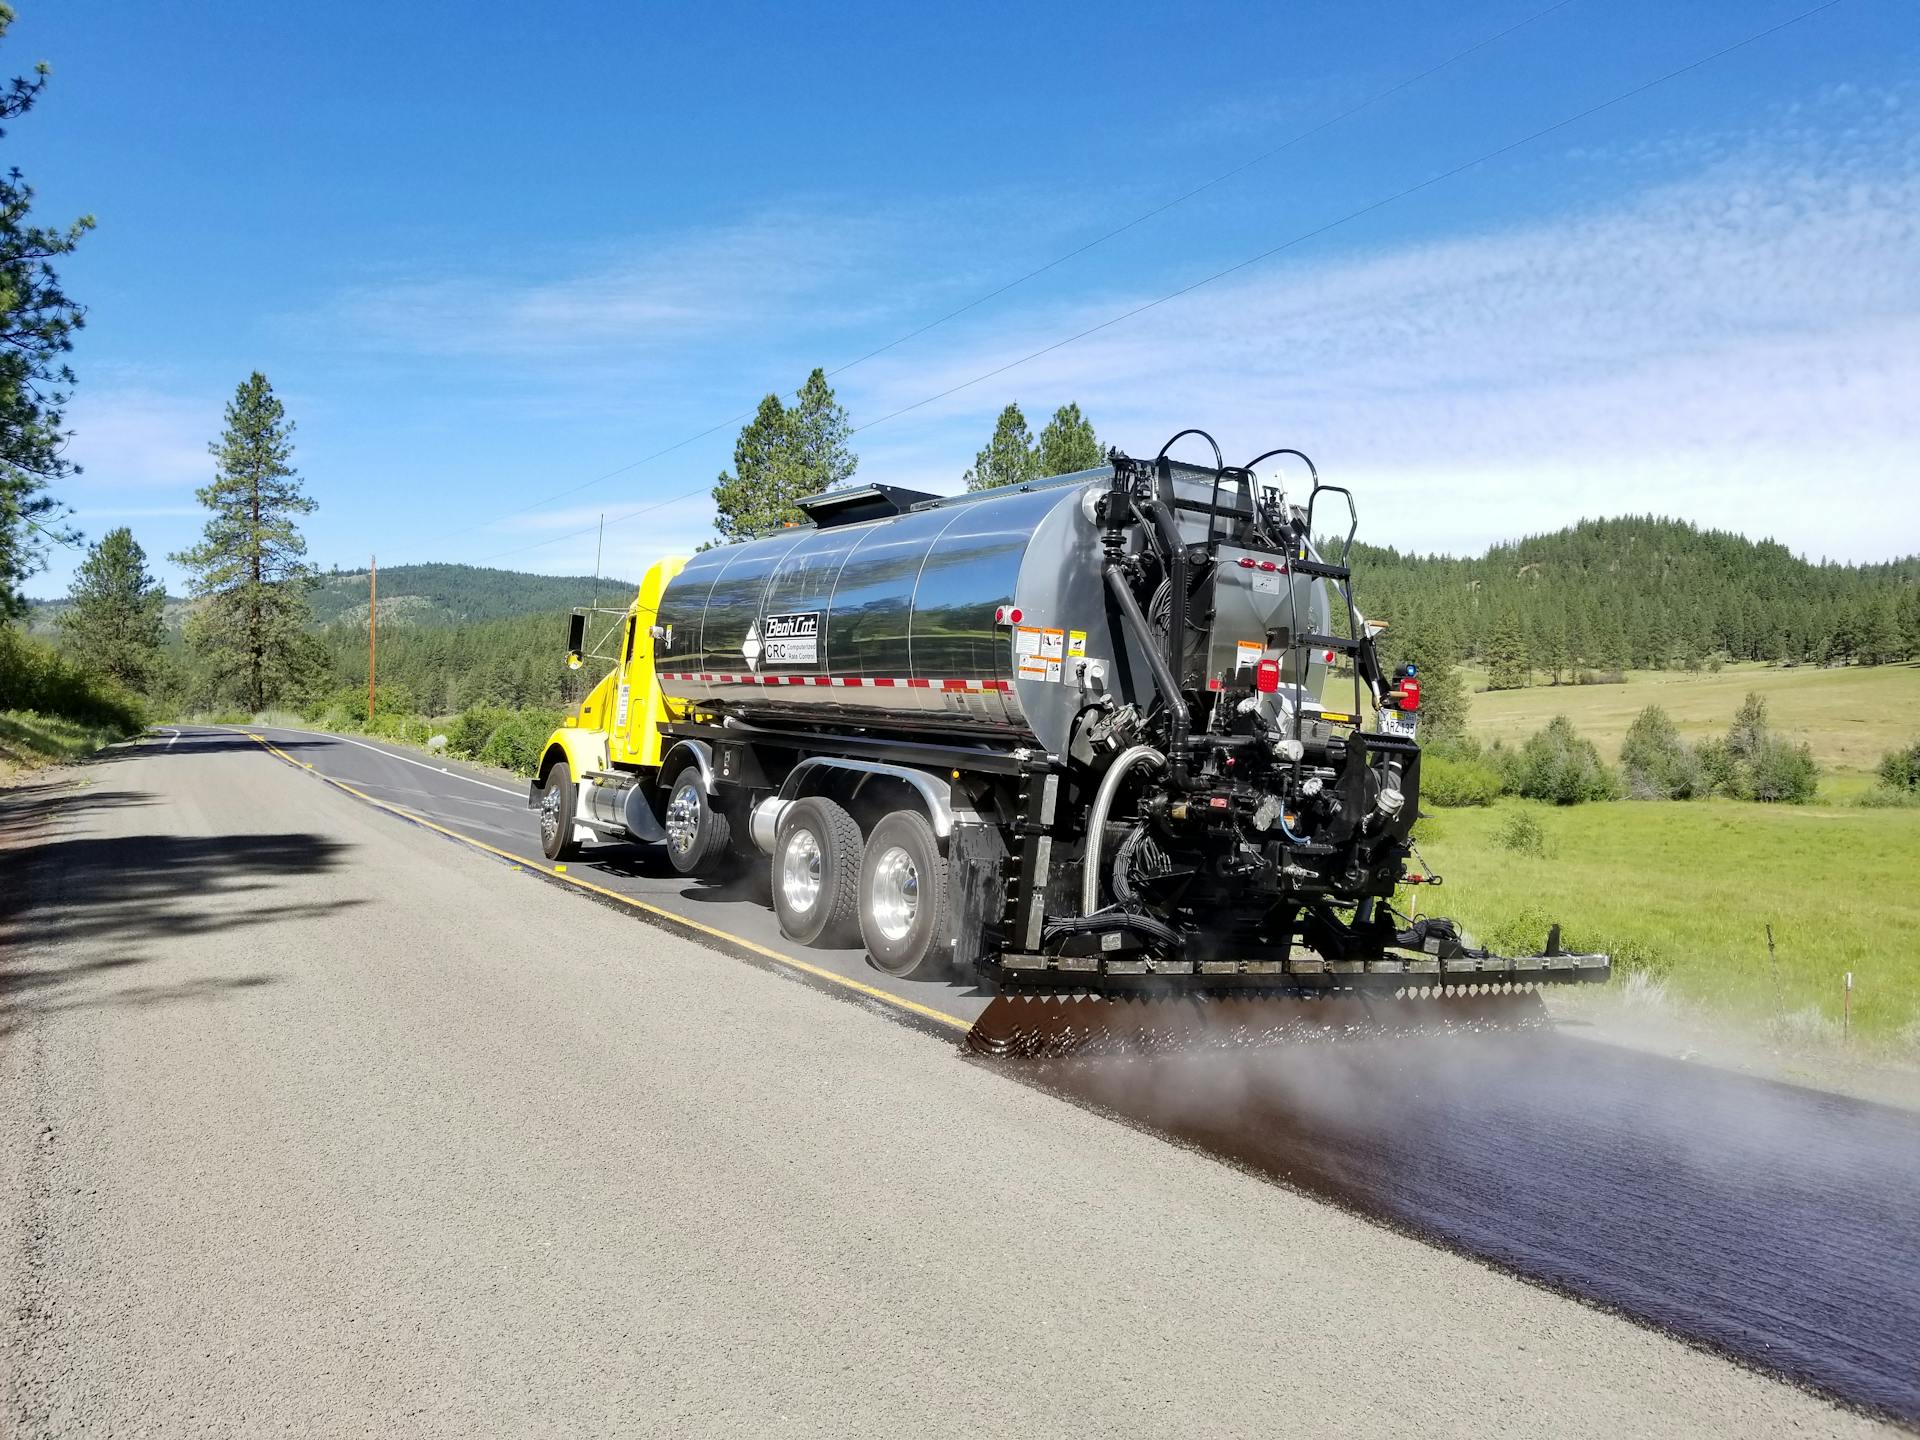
x,y
638,298
141,512
1741,348
138,438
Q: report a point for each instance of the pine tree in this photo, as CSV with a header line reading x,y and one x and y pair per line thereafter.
x,y
821,434
112,624
1431,649
1009,456
1878,630
782,456
37,322
249,569
1507,655
1553,649
1067,443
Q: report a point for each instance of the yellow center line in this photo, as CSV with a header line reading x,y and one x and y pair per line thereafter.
x,y
871,991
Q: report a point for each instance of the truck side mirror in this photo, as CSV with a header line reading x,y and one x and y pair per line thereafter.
x,y
576,639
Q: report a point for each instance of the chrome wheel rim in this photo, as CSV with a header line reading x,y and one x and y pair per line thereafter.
x,y
683,816
550,812
895,898
800,870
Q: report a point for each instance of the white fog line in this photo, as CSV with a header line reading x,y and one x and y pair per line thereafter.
x,y
404,759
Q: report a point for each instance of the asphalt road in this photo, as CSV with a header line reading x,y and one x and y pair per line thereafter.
x,y
321,1123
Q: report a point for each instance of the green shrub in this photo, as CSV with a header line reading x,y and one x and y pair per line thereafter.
x,y
1900,769
1885,797
468,733
1522,834
517,742
1754,764
1558,766
1783,773
1720,773
408,729
1655,762
1446,781
36,677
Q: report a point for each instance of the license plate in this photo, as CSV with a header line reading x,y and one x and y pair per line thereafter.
x,y
1399,722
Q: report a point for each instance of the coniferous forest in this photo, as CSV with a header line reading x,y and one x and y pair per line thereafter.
x,y
1638,592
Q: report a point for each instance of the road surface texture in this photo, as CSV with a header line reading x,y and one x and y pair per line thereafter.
x,y
320,1124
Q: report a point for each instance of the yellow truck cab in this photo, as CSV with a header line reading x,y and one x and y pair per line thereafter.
x,y
596,769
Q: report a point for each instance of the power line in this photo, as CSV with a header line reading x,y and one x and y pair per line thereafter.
x,y
1267,254
1058,260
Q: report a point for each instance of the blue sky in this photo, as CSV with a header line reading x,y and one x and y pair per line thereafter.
x,y
488,254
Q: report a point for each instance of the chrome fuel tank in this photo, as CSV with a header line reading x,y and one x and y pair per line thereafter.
x,y
983,614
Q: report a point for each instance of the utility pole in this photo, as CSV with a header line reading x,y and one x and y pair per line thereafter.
x,y
598,546
373,625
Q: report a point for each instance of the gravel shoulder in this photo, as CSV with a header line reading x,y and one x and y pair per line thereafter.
x,y
325,1125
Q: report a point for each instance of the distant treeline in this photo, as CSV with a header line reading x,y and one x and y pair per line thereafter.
x,y
1644,593
442,669
1602,596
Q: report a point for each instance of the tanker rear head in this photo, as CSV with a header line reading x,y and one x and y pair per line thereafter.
x,y
1231,815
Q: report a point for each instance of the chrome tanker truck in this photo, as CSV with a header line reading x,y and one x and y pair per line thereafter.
x,y
1121,732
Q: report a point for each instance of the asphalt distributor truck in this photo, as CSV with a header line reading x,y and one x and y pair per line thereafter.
x,y
1083,741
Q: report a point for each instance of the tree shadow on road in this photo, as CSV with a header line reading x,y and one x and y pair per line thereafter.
x,y
77,912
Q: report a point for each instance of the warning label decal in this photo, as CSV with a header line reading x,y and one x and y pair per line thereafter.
x,y
1038,652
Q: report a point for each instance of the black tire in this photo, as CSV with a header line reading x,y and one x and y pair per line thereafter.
x,y
698,836
906,905
558,797
816,874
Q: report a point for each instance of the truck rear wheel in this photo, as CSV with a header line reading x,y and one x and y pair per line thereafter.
x,y
558,796
816,874
697,834
906,912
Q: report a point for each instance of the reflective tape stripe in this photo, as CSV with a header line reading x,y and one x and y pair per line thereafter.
x,y
853,682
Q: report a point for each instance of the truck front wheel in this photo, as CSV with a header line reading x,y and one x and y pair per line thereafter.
x,y
906,913
558,795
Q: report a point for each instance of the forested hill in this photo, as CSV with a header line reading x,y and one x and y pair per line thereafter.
x,y
430,595
456,594
1647,592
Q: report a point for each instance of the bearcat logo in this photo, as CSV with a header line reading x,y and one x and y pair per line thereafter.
x,y
792,639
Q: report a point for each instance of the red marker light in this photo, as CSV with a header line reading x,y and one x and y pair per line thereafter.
x,y
1013,615
1268,566
1266,676
1409,694
1329,657
1246,562
999,614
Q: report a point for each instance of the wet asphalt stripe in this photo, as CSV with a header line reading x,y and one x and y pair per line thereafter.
x,y
868,992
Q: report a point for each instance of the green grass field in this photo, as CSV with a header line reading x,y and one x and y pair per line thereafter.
x,y
1686,889
1850,716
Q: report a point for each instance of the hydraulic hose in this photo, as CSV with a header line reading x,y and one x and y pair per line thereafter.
x,y
1163,677
1097,816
